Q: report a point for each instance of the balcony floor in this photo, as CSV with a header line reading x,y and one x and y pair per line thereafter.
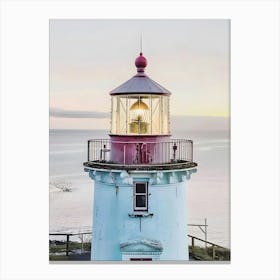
x,y
180,164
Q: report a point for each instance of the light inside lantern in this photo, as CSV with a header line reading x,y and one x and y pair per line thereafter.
x,y
138,122
139,108
140,114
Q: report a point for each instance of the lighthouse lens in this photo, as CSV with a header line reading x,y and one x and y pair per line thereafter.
x,y
138,116
139,108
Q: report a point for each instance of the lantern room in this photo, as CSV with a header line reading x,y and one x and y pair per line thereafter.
x,y
140,106
140,114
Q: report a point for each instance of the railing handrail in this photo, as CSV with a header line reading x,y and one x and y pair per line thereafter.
x,y
143,151
205,241
136,142
58,233
191,236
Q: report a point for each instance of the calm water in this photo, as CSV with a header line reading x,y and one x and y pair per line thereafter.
x,y
208,190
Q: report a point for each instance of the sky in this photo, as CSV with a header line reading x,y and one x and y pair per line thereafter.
x,y
89,58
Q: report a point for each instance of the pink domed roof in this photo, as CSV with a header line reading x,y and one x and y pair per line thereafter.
x,y
140,83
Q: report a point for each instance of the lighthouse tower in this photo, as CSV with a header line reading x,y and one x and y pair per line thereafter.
x,y
140,177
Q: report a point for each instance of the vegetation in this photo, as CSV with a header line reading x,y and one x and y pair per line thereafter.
x,y
58,258
61,247
57,249
206,254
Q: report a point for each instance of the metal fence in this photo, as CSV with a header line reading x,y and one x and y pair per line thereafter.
x,y
175,150
192,245
67,242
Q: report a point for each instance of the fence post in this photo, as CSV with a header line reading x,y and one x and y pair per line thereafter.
x,y
213,252
192,244
191,150
67,245
88,150
82,249
205,229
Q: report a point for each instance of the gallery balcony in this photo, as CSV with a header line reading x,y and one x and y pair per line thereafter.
x,y
144,155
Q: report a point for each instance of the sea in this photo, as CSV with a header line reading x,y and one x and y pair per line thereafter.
x,y
208,191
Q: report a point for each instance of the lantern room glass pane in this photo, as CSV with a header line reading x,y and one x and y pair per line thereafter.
x,y
140,114
113,115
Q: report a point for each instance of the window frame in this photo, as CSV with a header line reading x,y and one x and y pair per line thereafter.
x,y
135,207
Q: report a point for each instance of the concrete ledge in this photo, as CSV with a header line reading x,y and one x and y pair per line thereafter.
x,y
166,166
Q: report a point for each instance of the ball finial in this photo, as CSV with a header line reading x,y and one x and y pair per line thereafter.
x,y
141,63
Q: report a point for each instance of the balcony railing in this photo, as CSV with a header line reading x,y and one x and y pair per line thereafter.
x,y
136,153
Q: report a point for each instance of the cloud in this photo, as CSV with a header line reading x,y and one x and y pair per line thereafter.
x,y
177,122
60,113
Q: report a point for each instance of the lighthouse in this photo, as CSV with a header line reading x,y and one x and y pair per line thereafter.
x,y
140,177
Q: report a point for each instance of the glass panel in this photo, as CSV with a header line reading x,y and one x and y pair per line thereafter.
x,y
113,115
165,116
140,188
140,200
155,115
140,114
123,115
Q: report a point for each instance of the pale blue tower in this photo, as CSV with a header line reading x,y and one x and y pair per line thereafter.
x,y
140,177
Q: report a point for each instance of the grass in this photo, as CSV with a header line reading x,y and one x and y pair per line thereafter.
x,y
57,252
59,248
221,254
58,258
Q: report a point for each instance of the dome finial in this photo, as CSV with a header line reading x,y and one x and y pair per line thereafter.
x,y
141,63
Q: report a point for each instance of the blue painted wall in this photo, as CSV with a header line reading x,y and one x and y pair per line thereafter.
x,y
113,202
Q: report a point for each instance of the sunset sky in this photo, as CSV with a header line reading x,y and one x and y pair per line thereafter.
x,y
89,58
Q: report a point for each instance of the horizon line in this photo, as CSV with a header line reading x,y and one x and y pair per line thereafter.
x,y
77,114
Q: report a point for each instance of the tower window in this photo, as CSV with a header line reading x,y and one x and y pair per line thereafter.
x,y
140,191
